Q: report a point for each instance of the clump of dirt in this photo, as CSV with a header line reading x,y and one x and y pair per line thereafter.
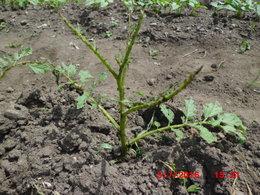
x,y
49,146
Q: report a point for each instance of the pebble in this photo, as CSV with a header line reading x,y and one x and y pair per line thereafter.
x,y
43,26
239,193
157,63
168,77
151,82
14,114
23,22
142,188
153,24
9,90
215,66
208,78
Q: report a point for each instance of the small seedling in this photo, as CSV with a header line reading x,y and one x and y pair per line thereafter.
x,y
13,45
114,22
153,53
244,46
255,83
109,33
2,25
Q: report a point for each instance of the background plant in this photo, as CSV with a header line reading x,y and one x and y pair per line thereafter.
x,y
84,82
240,7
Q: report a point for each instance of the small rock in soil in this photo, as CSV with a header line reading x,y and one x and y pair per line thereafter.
x,y
32,98
9,145
214,66
16,112
70,142
239,193
9,90
151,82
2,98
208,78
139,121
127,186
256,163
168,77
23,22
142,188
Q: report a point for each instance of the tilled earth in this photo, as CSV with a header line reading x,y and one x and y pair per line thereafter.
x,y
47,146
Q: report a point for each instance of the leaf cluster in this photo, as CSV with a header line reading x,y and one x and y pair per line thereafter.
x,y
11,60
240,7
212,117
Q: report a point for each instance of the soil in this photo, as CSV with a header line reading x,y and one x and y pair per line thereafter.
x,y
47,146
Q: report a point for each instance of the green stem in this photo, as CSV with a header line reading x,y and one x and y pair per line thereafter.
x,y
92,99
14,65
121,86
90,46
165,98
163,129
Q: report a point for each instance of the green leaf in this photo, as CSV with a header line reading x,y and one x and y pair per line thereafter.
x,y
3,63
102,77
205,134
211,110
167,113
233,130
39,68
70,69
126,101
194,188
232,120
156,124
93,106
189,110
106,146
84,76
139,93
81,100
25,52
179,134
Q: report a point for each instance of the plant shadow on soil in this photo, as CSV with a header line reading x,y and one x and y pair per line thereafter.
x,y
47,145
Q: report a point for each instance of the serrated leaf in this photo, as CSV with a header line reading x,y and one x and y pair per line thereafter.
x,y
39,68
232,120
84,76
189,110
81,100
70,69
211,110
106,146
205,133
233,130
167,113
23,53
179,134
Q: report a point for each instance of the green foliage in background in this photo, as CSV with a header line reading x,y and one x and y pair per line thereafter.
x,y
239,7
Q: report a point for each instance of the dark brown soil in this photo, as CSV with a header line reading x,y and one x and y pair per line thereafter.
x,y
47,145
